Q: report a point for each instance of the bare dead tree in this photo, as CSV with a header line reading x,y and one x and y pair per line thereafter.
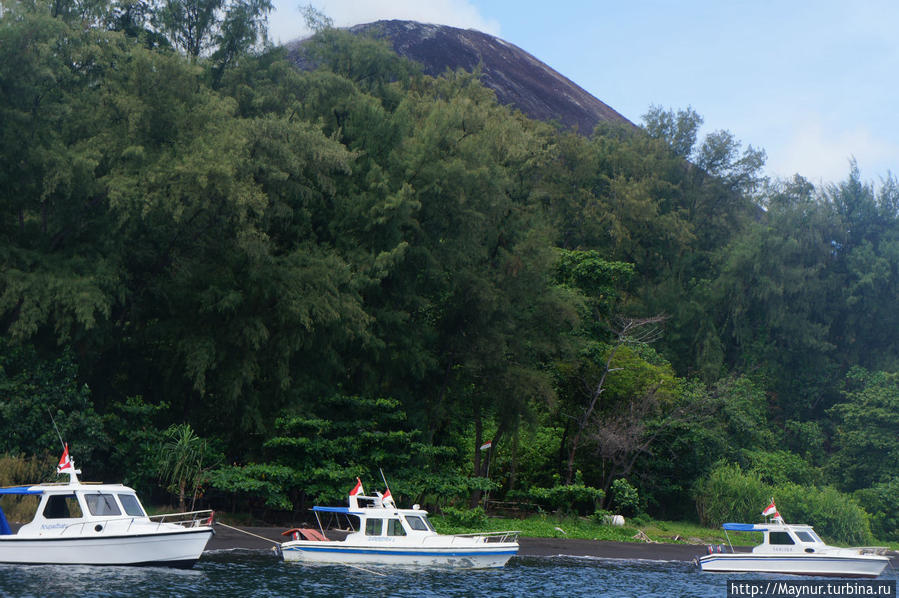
x,y
627,331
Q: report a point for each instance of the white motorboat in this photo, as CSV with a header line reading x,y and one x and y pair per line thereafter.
x,y
380,533
100,524
795,550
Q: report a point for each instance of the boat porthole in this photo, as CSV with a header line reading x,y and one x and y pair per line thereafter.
x,y
98,527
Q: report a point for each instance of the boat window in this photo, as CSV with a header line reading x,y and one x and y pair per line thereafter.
x,y
395,528
416,523
102,505
805,537
373,527
780,538
62,506
19,507
131,505
428,523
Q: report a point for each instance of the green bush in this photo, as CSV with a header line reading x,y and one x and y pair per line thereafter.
x,y
468,518
836,516
625,498
730,494
881,501
781,467
574,498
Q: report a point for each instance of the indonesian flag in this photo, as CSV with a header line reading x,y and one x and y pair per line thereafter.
x,y
486,445
387,498
771,510
357,489
65,463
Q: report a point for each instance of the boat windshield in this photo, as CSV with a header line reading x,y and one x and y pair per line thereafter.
x,y
808,536
101,505
417,523
131,505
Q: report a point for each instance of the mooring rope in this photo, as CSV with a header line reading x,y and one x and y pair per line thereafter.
x,y
243,531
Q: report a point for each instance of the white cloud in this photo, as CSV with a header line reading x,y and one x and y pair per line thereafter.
x,y
286,22
822,154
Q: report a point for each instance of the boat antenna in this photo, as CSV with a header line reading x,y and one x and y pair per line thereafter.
x,y
55,427
386,485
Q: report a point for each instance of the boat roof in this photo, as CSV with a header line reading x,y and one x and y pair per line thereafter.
x,y
745,527
64,488
368,510
762,527
335,510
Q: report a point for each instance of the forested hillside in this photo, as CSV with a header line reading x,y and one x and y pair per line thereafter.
x,y
288,279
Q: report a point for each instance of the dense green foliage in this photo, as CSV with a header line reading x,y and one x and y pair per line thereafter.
x,y
327,273
730,493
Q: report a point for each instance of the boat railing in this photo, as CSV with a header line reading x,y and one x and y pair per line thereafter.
x,y
492,537
187,519
102,525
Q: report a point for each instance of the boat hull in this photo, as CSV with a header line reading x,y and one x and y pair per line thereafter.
x,y
473,557
816,565
171,549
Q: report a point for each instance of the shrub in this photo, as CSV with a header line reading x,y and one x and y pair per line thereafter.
x,y
730,494
781,467
836,516
465,517
625,498
574,498
881,501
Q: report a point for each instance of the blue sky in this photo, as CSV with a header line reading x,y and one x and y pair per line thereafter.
x,y
813,83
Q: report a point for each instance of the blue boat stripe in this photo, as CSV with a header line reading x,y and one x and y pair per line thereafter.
x,y
398,552
811,559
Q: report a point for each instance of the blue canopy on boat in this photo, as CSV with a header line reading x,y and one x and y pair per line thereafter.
x,y
743,527
4,524
20,490
335,510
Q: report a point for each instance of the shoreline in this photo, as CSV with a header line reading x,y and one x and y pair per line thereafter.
x,y
264,538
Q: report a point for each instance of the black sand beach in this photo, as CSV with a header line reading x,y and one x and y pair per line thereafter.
x,y
265,538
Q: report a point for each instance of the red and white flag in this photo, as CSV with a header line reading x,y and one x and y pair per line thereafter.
x,y
771,510
486,445
387,498
357,489
65,463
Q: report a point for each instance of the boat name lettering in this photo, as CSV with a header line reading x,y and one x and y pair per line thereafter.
x,y
52,525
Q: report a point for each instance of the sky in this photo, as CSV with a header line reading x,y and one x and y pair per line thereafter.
x,y
814,83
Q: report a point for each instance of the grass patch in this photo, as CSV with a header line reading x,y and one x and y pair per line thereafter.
x,y
586,528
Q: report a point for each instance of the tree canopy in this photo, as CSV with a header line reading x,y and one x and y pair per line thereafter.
x,y
331,271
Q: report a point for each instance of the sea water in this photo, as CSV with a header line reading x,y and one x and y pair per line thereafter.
x,y
225,573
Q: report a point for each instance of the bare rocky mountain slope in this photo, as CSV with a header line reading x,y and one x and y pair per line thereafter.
x,y
517,78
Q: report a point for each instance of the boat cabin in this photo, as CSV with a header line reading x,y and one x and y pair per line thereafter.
x,y
369,516
61,506
781,537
